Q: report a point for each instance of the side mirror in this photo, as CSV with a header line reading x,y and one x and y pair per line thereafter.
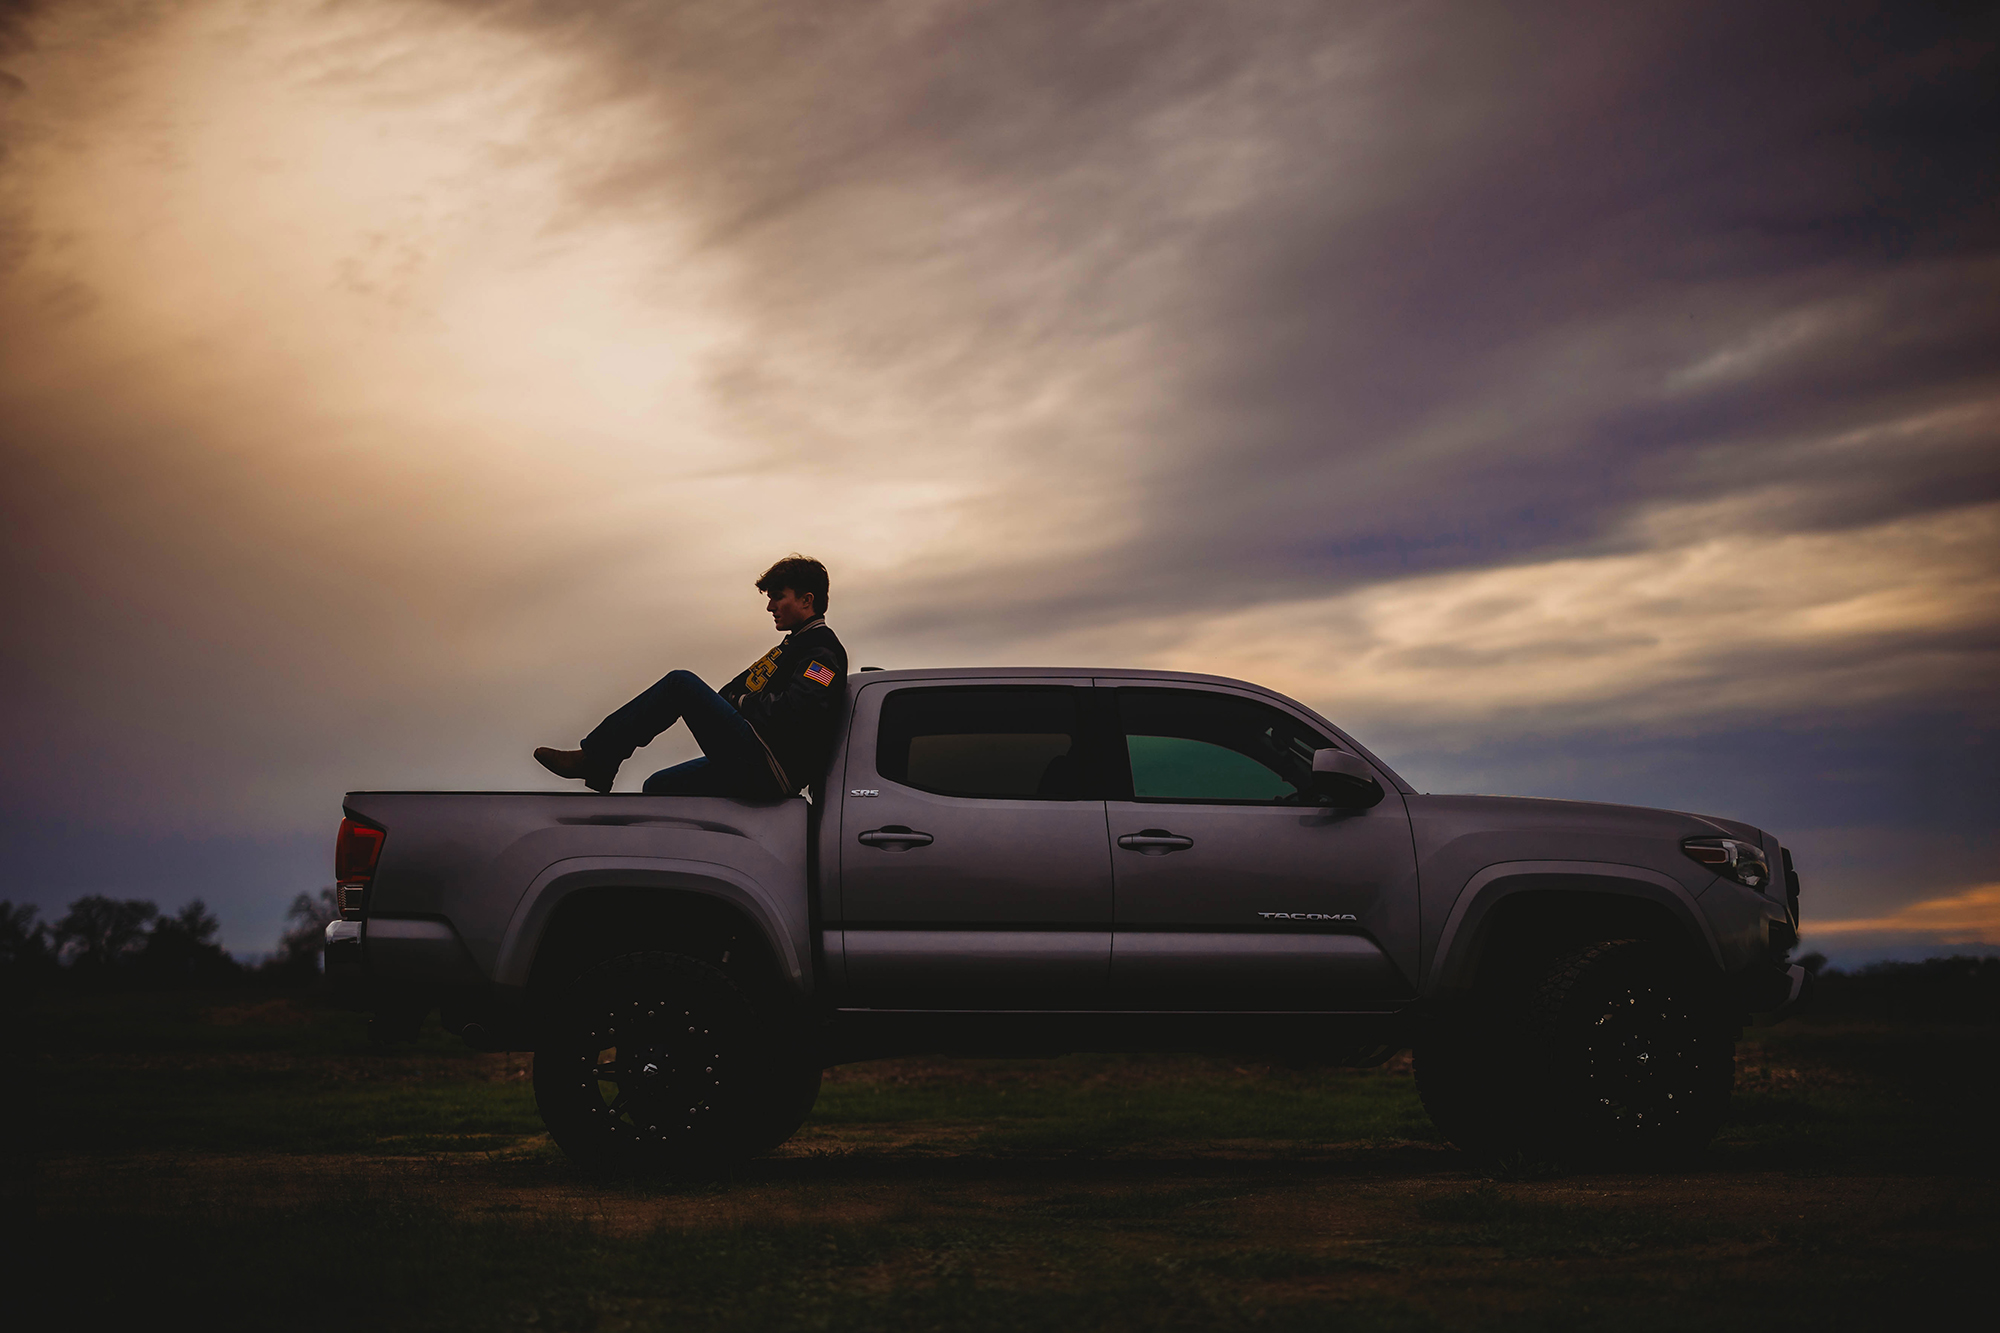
x,y
1345,780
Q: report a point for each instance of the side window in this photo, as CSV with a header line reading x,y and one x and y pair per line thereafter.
x,y
1191,745
1009,742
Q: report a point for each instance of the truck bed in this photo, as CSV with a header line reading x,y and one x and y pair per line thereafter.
x,y
468,880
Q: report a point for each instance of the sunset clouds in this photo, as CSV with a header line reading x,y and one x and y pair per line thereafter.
x,y
1968,918
1571,401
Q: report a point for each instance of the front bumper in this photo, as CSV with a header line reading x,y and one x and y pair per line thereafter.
x,y
1771,992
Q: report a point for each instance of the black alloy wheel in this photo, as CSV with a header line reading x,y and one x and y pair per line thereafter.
x,y
650,1063
1639,1058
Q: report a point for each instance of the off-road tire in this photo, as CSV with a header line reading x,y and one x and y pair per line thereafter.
x,y
655,1062
1639,1056
1612,1054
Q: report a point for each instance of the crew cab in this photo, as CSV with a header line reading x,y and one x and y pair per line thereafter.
x,y
1016,860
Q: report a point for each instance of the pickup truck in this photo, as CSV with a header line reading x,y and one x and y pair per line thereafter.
x,y
1029,861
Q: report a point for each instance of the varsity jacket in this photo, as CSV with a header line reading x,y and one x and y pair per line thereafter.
x,y
789,697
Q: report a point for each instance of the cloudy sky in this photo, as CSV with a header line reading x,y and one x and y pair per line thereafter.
x,y
1572,400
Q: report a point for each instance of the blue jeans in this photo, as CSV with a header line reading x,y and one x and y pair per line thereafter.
x,y
734,761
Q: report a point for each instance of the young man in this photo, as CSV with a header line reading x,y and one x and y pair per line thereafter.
x,y
766,734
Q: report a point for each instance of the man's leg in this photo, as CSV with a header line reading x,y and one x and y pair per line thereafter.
x,y
736,762
731,746
706,777
697,777
650,712
655,709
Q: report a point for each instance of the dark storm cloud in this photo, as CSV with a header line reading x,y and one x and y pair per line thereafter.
x,y
14,17
1434,319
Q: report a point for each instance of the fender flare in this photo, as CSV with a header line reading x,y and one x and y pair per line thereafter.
x,y
789,942
1504,879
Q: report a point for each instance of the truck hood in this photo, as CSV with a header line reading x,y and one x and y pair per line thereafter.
x,y
1536,812
1456,836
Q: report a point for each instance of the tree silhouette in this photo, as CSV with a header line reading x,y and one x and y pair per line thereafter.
x,y
304,940
26,956
24,941
181,950
99,931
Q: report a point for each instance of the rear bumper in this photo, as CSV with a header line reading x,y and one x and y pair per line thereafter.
x,y
357,978
346,973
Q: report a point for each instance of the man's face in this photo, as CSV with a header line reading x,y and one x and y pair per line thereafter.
x,y
789,608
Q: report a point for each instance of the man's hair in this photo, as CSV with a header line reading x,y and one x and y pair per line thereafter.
x,y
800,573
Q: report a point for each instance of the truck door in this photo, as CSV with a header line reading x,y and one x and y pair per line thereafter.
x,y
975,871
1238,889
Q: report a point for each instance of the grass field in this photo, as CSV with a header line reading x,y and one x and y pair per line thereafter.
x,y
250,1163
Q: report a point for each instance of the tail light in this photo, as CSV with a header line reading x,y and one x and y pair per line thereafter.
x,y
355,853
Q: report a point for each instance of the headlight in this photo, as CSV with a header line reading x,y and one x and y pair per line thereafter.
x,y
1732,858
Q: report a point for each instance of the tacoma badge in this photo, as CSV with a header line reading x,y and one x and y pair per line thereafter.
x,y
1307,916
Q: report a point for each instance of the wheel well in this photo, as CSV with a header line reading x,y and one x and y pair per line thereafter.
x,y
592,925
1525,931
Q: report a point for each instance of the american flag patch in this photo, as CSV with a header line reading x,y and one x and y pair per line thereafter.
x,y
818,675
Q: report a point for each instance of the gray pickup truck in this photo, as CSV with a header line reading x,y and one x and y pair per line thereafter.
x,y
1028,861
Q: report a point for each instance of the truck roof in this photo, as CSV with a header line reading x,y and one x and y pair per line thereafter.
x,y
1066,672
868,675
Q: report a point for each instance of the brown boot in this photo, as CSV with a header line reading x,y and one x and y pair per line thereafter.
x,y
596,775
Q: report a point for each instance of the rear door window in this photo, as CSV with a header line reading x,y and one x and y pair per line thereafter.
x,y
1004,742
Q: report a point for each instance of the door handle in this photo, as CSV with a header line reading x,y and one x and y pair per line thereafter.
x,y
1154,842
895,838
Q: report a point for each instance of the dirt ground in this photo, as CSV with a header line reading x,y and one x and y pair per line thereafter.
x,y
1278,1196
1856,1176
